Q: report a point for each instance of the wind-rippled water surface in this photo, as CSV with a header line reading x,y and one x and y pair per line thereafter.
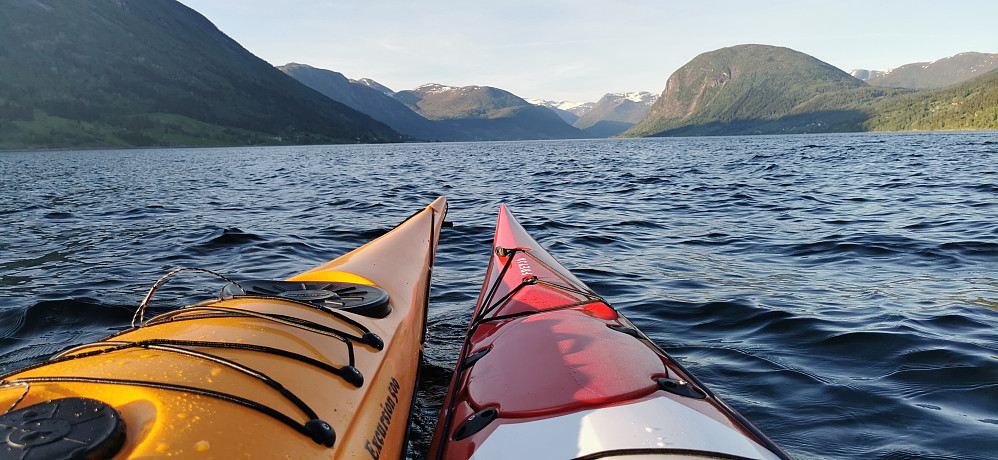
x,y
840,291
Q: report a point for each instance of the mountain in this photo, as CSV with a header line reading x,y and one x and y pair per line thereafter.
x,y
439,113
614,113
611,115
758,89
938,74
576,108
972,104
557,107
864,74
375,85
371,98
486,113
124,73
568,111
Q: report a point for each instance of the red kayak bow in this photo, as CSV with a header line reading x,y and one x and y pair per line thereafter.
x,y
550,370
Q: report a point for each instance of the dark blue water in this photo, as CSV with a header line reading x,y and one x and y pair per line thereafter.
x,y
840,291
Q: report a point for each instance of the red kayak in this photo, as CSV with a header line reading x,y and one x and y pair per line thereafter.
x,y
549,370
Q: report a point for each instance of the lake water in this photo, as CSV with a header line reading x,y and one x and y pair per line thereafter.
x,y
840,291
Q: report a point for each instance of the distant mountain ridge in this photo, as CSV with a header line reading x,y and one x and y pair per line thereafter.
x,y
441,102
614,113
487,113
969,105
575,108
434,112
568,111
375,86
864,74
937,74
152,72
369,97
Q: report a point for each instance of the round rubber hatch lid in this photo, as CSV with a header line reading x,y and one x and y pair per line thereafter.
x,y
67,428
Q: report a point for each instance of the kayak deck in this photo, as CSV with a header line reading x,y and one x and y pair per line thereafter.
x,y
323,366
550,370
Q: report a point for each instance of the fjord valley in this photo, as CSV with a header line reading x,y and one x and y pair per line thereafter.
x,y
438,112
837,288
486,113
118,73
738,90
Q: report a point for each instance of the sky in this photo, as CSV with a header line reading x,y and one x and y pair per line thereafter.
x,y
579,50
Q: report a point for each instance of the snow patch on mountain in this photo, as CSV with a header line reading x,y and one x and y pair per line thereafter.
x,y
561,105
375,85
578,108
642,97
582,108
434,88
864,74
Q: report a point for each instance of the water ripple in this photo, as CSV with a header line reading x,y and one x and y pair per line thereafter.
x,y
840,291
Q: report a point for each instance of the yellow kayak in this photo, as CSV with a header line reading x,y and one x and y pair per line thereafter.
x,y
322,365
